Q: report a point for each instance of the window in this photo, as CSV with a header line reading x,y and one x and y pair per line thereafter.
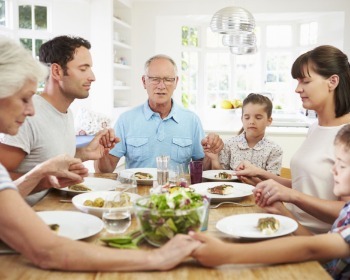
x,y
33,25
3,13
32,17
278,35
217,81
308,33
189,79
189,66
210,73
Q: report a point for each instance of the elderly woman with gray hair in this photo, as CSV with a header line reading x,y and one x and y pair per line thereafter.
x,y
21,228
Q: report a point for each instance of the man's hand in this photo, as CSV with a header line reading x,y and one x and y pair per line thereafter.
x,y
103,142
212,143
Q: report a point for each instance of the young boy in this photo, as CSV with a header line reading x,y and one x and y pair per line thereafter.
x,y
332,247
251,145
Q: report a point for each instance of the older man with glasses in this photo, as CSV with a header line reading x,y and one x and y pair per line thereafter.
x,y
159,126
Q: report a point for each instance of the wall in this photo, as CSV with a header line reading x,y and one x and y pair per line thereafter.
x,y
75,21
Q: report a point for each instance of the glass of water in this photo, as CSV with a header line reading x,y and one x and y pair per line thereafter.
x,y
116,219
126,181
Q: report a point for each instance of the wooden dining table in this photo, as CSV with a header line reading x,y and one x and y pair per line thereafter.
x,y
15,266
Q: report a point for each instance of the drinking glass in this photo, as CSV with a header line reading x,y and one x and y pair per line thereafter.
x,y
126,181
178,175
162,170
115,219
196,172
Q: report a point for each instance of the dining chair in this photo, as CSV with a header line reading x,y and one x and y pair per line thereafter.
x,y
285,173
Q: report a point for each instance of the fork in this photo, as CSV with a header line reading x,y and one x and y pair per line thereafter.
x,y
230,202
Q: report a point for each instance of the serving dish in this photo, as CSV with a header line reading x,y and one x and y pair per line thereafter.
x,y
78,201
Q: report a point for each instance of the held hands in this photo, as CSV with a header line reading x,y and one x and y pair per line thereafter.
x,y
103,142
269,191
212,144
211,252
248,173
63,170
174,251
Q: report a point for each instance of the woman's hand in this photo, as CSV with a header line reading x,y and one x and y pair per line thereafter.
x,y
63,170
248,173
269,191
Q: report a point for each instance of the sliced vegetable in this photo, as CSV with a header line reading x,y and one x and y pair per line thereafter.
x,y
130,241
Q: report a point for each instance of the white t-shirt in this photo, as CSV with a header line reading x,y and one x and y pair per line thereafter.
x,y
311,172
45,135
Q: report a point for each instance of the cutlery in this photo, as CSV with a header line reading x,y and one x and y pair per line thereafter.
x,y
66,200
230,202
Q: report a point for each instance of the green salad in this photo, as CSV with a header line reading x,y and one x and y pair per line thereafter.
x,y
162,216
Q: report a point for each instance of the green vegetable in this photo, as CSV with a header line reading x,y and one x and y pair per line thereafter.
x,y
162,216
130,241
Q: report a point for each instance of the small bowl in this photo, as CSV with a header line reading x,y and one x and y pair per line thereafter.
x,y
78,201
159,226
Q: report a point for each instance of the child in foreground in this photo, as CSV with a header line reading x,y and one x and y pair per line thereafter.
x,y
251,145
332,247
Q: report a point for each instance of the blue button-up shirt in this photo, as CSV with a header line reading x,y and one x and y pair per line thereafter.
x,y
145,135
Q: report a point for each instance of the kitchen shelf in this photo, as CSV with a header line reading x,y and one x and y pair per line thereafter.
x,y
122,30
121,66
121,45
121,23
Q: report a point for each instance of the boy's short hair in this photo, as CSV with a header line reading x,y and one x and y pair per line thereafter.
x,y
256,98
343,137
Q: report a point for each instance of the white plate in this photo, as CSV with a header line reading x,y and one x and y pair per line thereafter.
x,y
245,225
152,171
95,184
210,174
240,190
74,225
78,201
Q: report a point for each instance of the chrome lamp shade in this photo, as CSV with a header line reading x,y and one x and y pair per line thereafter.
x,y
237,25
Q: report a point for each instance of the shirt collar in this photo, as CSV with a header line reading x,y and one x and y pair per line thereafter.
x,y
243,144
173,112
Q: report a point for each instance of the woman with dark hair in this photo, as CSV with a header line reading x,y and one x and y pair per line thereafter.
x,y
323,76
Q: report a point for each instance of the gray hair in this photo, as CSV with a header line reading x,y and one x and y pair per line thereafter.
x,y
160,56
17,66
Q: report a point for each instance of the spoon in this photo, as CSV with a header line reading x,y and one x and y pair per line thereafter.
x,y
230,202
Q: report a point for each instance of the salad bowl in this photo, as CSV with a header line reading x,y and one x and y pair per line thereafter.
x,y
162,216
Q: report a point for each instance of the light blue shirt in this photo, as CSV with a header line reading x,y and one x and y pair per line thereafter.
x,y
145,135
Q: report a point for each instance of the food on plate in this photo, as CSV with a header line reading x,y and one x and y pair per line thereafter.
x,y
221,189
121,200
170,188
79,187
162,216
173,189
268,225
54,227
223,175
143,175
